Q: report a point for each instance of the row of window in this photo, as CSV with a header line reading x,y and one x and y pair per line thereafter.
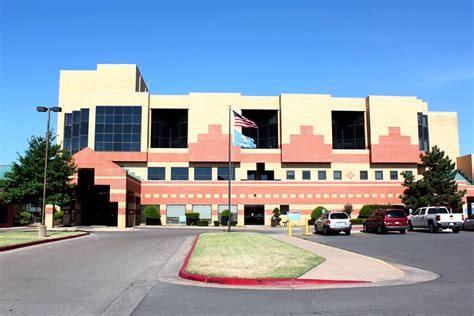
x,y
337,174
76,130
205,174
182,173
118,128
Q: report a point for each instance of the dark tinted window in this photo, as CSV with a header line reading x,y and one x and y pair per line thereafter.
x,y
395,214
408,173
169,128
290,175
156,173
118,128
266,135
321,175
223,173
179,173
337,175
339,216
393,175
364,175
306,175
202,173
423,136
348,130
438,210
284,209
76,130
378,175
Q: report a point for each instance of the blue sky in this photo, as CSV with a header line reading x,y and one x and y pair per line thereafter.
x,y
344,48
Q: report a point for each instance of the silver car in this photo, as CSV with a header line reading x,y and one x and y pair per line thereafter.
x,y
468,223
333,223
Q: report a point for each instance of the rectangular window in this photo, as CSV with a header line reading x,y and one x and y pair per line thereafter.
x,y
76,130
179,173
156,173
423,135
348,130
321,175
306,175
408,173
393,175
223,173
202,173
378,175
266,135
364,175
169,128
284,209
118,128
337,175
290,175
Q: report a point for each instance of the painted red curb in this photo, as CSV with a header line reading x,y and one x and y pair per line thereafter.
x,y
254,282
37,242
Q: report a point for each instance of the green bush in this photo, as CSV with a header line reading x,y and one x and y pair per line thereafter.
x,y
217,223
203,222
58,217
358,221
317,212
192,218
365,211
152,212
25,218
225,213
233,223
192,215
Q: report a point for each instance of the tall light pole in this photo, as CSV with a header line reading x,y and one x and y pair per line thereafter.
x,y
42,227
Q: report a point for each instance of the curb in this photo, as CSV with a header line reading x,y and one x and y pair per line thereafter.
x,y
287,282
37,242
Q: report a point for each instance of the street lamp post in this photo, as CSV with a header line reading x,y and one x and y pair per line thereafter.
x,y
42,226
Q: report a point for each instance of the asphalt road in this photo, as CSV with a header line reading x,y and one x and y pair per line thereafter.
x,y
85,276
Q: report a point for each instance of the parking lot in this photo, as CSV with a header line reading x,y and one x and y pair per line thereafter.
x,y
87,275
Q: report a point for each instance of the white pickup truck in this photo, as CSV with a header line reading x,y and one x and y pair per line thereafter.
x,y
435,218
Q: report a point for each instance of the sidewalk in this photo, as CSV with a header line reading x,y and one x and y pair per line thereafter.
x,y
343,265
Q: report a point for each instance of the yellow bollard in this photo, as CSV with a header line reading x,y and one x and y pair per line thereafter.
x,y
307,228
289,228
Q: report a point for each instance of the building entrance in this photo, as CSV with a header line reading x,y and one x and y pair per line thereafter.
x,y
254,215
93,206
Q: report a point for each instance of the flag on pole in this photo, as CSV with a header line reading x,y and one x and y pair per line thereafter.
x,y
243,141
239,120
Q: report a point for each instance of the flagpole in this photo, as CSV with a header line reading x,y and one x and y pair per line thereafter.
x,y
230,170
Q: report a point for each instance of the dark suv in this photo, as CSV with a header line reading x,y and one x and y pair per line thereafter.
x,y
382,221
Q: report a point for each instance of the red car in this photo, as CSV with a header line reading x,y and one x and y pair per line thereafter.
x,y
382,221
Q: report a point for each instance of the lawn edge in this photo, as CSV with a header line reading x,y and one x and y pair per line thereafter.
x,y
286,282
37,242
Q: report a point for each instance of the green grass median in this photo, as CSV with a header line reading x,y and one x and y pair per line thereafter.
x,y
249,255
8,238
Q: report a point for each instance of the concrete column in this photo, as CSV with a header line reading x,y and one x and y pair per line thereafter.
x,y
122,215
49,216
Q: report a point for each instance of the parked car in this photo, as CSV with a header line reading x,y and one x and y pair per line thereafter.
x,y
333,223
435,218
468,223
383,221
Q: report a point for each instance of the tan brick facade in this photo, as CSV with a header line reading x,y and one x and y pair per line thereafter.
x,y
305,143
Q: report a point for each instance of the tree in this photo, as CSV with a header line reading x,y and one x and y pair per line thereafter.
x,y
348,209
437,187
24,183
